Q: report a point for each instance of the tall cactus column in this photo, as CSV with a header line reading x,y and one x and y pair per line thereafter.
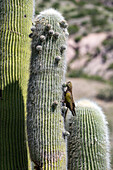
x,y
15,24
47,72
88,143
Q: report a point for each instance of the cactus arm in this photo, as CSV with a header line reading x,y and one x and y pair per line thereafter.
x,y
47,72
15,23
88,143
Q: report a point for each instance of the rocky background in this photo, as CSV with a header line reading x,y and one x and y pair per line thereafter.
x,y
90,50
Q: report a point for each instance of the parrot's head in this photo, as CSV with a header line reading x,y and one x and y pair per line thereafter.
x,y
69,85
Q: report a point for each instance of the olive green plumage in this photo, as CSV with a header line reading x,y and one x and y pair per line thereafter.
x,y
15,23
88,144
68,98
47,73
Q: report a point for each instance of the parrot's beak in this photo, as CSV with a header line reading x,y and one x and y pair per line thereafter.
x,y
64,87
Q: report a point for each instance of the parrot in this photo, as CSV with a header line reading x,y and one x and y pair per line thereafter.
x,y
69,98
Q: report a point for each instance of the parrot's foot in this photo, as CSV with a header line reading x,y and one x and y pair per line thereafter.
x,y
65,134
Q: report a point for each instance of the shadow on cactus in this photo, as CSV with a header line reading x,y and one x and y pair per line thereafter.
x,y
14,151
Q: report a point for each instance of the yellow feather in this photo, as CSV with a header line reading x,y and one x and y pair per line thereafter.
x,y
68,97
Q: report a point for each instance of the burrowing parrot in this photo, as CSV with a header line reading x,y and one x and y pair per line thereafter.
x,y
69,98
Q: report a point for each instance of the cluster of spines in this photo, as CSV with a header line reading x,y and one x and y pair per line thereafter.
x,y
88,143
47,71
47,34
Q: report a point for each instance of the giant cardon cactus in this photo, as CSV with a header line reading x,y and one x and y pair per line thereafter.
x,y
88,143
15,24
47,72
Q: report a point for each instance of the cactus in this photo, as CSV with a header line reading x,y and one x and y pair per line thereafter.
x,y
47,73
88,143
15,23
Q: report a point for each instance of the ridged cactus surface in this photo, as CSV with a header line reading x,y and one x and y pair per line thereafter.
x,y
47,72
88,143
15,24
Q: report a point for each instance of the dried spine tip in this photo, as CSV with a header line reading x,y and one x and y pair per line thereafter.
x,y
33,28
63,47
57,59
48,27
64,108
54,105
40,65
39,48
31,35
63,24
67,34
56,35
42,38
64,111
34,24
65,134
51,32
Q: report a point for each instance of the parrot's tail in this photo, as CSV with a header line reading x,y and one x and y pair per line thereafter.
x,y
73,112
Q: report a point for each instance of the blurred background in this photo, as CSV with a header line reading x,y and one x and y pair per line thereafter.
x,y
90,50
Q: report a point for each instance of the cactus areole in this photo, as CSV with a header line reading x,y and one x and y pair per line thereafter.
x,y
44,120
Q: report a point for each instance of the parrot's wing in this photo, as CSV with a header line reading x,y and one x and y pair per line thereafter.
x,y
68,97
73,104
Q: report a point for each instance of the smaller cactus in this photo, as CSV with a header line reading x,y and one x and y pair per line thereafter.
x,y
88,143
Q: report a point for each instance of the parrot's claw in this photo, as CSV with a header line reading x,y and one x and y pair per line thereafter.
x,y
62,101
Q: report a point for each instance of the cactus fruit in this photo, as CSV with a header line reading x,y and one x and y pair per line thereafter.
x,y
15,24
44,120
88,143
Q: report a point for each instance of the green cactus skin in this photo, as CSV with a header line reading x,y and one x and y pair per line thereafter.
x,y
15,24
47,72
88,143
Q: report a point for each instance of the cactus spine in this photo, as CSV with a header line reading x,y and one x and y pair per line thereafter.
x,y
15,23
88,143
47,71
